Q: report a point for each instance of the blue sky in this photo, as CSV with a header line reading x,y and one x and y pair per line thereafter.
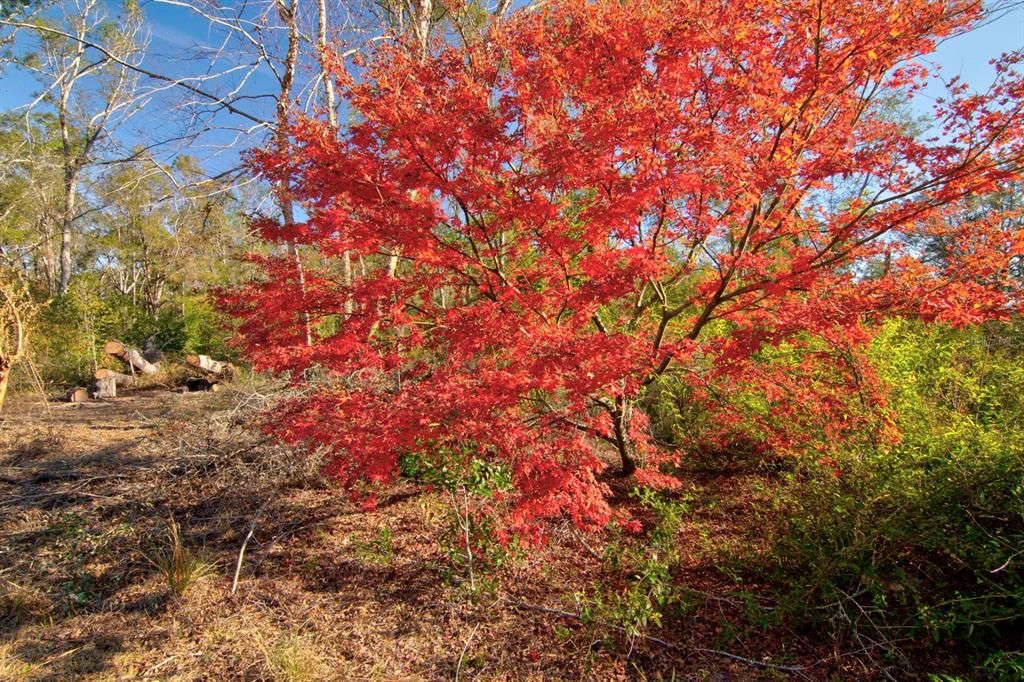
x,y
969,55
176,31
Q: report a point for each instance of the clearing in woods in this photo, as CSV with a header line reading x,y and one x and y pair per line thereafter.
x,y
325,591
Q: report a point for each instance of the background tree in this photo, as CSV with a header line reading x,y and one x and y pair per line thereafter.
x,y
31,197
17,311
91,93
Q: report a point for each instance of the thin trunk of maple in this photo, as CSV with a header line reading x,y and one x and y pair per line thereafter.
x,y
623,443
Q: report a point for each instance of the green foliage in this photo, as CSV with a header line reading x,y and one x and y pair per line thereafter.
x,y
638,587
457,469
9,8
925,536
476,547
1004,666
378,550
73,328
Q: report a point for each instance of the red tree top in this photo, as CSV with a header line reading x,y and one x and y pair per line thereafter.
x,y
598,195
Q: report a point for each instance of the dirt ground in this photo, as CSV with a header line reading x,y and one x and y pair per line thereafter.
x,y
325,591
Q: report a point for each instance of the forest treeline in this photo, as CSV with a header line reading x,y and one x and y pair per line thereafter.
x,y
846,324
108,214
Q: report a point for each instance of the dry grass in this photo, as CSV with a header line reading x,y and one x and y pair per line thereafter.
x,y
325,591
180,566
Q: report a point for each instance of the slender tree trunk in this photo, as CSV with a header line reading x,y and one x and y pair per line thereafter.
x,y
330,103
422,13
623,443
289,15
50,263
5,375
67,225
71,169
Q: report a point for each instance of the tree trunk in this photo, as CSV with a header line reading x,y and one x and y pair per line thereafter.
x,y
208,364
289,15
67,221
623,443
120,379
50,262
71,166
78,395
5,375
424,11
330,104
130,356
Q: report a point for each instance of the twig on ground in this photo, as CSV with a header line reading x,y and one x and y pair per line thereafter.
x,y
469,640
590,550
241,556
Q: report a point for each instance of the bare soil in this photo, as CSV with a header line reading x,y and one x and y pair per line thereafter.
x,y
326,590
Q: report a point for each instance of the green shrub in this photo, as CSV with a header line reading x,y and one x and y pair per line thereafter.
x,y
473,488
637,587
926,536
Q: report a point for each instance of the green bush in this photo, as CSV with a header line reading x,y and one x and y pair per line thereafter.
x,y
925,536
474,490
637,587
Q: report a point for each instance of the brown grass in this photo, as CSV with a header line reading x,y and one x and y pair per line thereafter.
x,y
325,592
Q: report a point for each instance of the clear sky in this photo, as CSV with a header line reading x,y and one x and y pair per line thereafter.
x,y
969,55
176,31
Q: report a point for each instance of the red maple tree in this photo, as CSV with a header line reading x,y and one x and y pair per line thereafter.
x,y
598,195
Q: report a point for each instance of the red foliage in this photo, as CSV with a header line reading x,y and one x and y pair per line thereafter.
x,y
600,193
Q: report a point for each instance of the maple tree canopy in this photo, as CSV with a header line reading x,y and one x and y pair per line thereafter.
x,y
597,195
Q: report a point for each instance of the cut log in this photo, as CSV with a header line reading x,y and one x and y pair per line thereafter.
x,y
208,364
121,379
103,388
130,356
198,384
78,395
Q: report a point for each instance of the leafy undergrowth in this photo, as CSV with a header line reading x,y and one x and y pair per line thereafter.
x,y
329,591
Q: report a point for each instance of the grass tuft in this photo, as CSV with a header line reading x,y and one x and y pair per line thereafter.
x,y
181,567
291,659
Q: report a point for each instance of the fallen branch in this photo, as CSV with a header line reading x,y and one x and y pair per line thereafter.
x,y
241,556
462,656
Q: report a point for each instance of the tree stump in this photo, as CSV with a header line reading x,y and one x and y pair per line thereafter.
x,y
122,380
103,388
78,395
